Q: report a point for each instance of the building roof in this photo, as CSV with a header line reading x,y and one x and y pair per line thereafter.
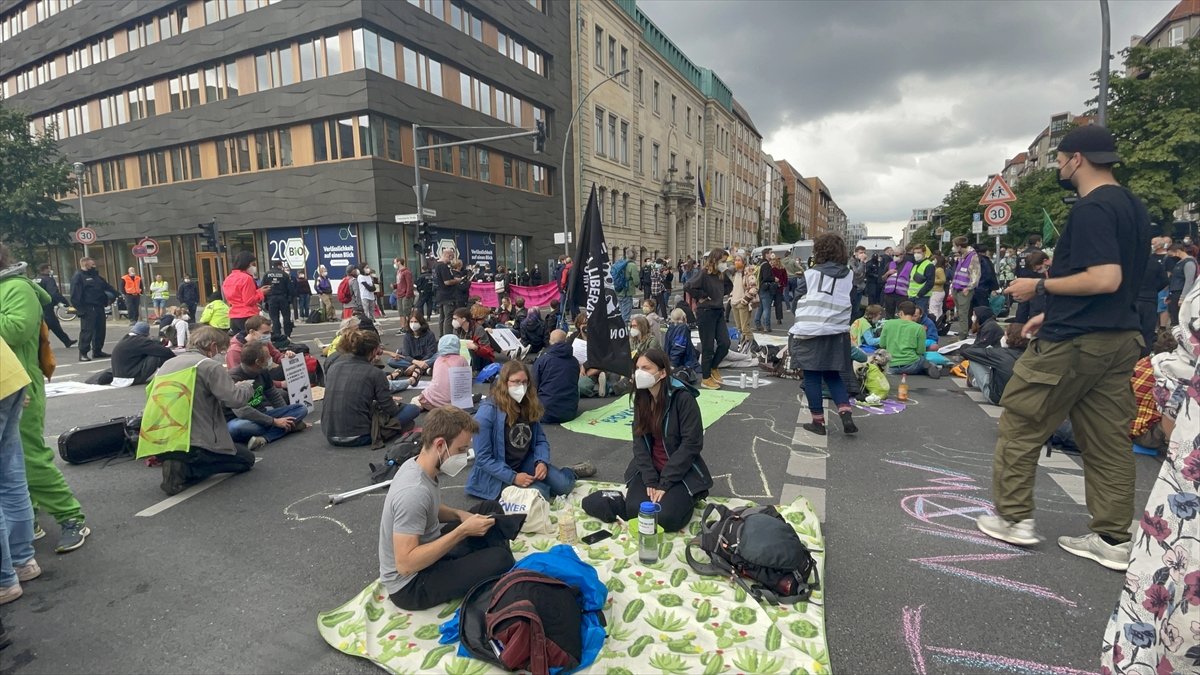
x,y
743,115
1185,9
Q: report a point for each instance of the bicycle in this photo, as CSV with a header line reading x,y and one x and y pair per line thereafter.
x,y
64,312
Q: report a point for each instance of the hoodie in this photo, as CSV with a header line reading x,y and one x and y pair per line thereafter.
x,y
920,283
556,376
989,332
825,308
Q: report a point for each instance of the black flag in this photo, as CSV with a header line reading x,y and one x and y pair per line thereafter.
x,y
592,289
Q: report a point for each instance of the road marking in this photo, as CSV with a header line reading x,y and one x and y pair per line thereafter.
x,y
1058,460
993,411
814,495
806,466
1072,484
962,382
977,396
187,494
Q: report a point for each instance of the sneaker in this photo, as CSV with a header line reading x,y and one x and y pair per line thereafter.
x,y
710,383
256,442
814,427
38,532
1092,547
716,375
584,470
102,355
848,425
10,593
84,357
73,534
933,370
301,426
174,476
1019,534
29,571
602,384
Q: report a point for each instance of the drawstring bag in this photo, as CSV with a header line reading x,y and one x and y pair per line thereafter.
x,y
531,503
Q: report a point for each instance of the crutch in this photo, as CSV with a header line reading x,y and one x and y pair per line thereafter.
x,y
339,498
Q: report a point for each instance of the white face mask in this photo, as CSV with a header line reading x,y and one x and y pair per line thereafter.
x,y
517,392
457,323
414,326
643,379
918,257
396,266
252,270
635,332
454,464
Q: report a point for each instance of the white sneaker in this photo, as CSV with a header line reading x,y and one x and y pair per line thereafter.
x,y
1092,547
256,442
1019,534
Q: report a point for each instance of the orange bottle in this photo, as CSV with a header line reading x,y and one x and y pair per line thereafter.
x,y
902,390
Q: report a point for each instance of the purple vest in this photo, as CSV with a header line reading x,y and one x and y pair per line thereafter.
x,y
897,284
962,273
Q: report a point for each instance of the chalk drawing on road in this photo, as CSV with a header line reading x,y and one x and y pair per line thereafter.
x,y
324,499
762,474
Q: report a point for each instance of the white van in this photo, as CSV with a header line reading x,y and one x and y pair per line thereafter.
x,y
876,245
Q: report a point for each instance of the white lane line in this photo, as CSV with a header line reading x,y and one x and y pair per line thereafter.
x,y
977,396
1071,484
961,382
186,494
803,436
1058,460
993,411
806,466
814,495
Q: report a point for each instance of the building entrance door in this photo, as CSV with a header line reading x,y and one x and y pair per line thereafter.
x,y
208,275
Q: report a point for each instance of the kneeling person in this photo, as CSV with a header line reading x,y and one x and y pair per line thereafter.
x,y
511,448
267,416
138,356
422,563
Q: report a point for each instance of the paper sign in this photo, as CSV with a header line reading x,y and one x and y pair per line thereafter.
x,y
460,387
579,349
296,376
505,339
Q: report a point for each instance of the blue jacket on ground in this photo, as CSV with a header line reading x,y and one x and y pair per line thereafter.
x,y
931,331
680,348
491,474
556,376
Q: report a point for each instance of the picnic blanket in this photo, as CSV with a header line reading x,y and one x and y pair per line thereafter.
x,y
661,618
615,420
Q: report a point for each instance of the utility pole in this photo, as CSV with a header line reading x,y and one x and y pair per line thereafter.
x,y
79,167
1105,39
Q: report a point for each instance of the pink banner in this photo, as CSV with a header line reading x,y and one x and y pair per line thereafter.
x,y
535,296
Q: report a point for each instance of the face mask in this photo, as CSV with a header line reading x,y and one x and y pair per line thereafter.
x,y
516,392
635,332
1064,182
723,266
456,323
646,310
396,266
918,257
643,379
264,337
414,326
252,270
454,464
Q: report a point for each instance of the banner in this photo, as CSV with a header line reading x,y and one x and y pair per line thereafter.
x,y
167,418
591,287
615,420
535,296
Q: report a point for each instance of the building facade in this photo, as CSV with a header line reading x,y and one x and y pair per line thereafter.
x,y
749,180
799,197
772,192
919,218
1177,27
290,123
819,208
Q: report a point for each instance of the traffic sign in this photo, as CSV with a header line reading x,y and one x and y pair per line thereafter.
x,y
150,246
997,214
946,236
409,218
150,259
977,227
998,230
140,251
85,236
997,192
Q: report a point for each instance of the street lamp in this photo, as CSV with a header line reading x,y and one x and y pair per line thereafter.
x,y
562,167
1105,57
79,167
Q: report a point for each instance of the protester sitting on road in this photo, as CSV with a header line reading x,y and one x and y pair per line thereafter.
x,y
532,331
210,449
267,416
519,313
991,367
905,339
474,331
679,345
668,438
348,325
138,355
356,392
216,314
985,327
510,446
640,338
553,318
931,331
422,563
556,374
418,346
17,563
593,381
181,326
258,329
649,310
864,332
437,393
241,289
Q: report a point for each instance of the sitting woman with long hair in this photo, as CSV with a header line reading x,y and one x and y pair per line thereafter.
x,y
356,392
668,437
510,447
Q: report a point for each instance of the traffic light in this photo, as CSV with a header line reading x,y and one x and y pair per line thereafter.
x,y
539,139
210,241
423,230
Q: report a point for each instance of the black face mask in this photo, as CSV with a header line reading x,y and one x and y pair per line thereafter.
x,y
1065,183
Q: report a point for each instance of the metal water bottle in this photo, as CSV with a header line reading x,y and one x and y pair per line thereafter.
x,y
648,532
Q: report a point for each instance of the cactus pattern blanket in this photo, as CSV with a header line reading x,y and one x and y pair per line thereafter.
x,y
662,618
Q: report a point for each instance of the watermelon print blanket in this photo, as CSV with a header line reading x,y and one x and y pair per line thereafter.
x,y
662,618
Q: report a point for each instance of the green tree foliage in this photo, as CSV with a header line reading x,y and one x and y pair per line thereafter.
x,y
788,231
1154,111
1036,191
31,172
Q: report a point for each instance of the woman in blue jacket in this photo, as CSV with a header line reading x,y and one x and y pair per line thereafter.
x,y
510,446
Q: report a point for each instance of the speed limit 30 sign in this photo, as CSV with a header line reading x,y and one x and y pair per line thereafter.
x,y
85,236
997,214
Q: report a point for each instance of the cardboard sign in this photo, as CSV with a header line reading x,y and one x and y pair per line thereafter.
x,y
460,387
505,339
296,376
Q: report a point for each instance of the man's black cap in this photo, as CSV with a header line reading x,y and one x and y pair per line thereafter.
x,y
1094,142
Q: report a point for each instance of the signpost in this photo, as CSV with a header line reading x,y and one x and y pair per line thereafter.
x,y
996,200
977,224
409,218
85,236
997,192
147,247
997,214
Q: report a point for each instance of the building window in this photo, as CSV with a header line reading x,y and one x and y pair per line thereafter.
x,y
689,120
655,96
508,171
625,65
654,161
625,143
598,134
613,196
1178,35
671,165
320,147
612,55
612,137
464,161
333,54
392,138
625,209
638,86
637,154
599,56
673,100
485,171
345,139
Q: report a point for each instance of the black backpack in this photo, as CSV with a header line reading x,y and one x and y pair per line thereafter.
x,y
757,549
315,316
523,621
396,453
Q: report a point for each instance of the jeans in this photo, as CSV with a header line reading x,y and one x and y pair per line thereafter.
x,y
16,510
812,389
369,307
400,363
243,430
302,303
915,368
714,337
923,303
556,483
132,305
762,315
981,376
856,308
627,308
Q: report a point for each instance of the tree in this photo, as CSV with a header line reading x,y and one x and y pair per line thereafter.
x,y
32,171
1036,191
787,229
1154,111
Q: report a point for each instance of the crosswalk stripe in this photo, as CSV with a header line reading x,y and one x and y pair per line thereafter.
x,y
1058,460
814,495
806,466
993,411
1072,484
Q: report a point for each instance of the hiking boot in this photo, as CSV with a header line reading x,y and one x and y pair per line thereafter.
x,y
709,383
256,442
10,593
1092,547
716,375
1018,534
73,534
848,425
583,469
29,571
933,370
174,476
38,532
815,427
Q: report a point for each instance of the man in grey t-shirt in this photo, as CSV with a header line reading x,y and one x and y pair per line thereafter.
x,y
420,563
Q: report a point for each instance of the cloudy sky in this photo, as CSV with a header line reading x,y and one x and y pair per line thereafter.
x,y
892,102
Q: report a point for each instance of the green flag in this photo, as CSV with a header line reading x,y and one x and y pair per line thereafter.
x,y
167,420
1047,228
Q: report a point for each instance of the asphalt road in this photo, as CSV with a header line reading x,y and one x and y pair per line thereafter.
x,y
231,579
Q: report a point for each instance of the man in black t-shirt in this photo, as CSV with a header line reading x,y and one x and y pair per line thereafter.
x,y
444,283
1081,360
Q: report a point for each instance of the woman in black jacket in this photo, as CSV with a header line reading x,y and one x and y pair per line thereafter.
x,y
418,346
709,288
668,437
